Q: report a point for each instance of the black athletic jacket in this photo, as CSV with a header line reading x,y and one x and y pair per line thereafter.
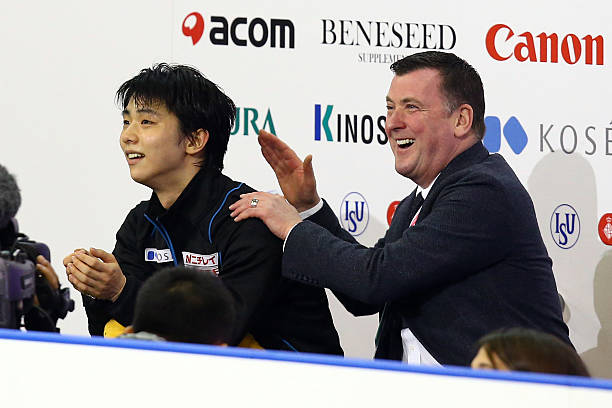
x,y
197,230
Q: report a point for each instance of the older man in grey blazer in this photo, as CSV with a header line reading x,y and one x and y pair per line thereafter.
x,y
463,255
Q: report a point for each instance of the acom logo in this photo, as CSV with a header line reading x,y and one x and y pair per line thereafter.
x,y
240,31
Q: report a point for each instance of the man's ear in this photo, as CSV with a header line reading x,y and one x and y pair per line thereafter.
x,y
463,123
196,143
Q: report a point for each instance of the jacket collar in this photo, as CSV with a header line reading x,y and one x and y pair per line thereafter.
x,y
194,195
474,154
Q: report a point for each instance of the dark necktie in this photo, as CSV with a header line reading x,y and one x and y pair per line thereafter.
x,y
416,208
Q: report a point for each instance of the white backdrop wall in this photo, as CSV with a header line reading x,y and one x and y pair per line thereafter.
x,y
63,61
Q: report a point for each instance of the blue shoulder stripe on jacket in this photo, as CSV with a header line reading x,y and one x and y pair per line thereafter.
x,y
164,233
219,209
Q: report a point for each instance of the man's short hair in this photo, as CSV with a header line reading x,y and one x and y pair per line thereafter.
x,y
186,305
197,102
460,82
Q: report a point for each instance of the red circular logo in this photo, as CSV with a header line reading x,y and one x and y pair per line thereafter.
x,y
605,228
391,211
193,28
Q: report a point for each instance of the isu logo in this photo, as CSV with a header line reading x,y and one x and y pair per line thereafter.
x,y
354,213
502,44
565,226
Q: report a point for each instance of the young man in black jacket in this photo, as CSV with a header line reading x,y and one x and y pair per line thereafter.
x,y
176,126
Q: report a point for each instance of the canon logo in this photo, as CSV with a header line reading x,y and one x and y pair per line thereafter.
x,y
503,44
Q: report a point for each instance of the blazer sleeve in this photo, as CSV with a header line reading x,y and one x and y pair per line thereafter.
x,y
327,219
462,233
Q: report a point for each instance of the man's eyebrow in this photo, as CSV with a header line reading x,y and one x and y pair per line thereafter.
x,y
403,100
409,100
148,110
141,110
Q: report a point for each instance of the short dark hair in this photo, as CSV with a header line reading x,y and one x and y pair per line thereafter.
x,y
186,305
460,82
197,102
531,350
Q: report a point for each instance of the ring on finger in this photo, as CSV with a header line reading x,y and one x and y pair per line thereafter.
x,y
254,202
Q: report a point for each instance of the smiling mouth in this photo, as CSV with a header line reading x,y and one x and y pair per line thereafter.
x,y
133,158
404,143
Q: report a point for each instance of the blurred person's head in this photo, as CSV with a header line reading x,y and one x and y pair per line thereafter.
x,y
185,305
10,197
520,349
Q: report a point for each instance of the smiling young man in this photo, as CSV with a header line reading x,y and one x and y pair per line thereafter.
x,y
463,255
176,127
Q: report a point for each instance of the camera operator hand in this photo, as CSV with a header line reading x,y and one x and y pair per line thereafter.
x,y
44,267
95,273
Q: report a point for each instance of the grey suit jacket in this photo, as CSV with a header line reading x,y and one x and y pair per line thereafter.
x,y
474,262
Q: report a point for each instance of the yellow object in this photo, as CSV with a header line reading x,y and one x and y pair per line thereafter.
x,y
250,342
113,329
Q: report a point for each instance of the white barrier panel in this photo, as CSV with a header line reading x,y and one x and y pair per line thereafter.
x,y
41,369
545,66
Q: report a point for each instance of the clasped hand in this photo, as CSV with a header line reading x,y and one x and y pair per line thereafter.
x,y
95,273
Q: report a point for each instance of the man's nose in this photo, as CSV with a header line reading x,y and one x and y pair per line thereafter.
x,y
129,134
395,120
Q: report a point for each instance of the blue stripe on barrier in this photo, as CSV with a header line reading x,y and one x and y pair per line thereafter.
x,y
308,358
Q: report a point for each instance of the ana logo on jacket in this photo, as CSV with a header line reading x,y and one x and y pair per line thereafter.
x,y
158,255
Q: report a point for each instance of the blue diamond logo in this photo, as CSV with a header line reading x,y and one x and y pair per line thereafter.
x,y
514,133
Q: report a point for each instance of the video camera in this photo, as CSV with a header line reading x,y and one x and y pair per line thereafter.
x,y
25,292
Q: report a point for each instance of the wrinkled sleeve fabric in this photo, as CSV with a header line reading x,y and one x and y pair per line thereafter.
x,y
325,218
463,233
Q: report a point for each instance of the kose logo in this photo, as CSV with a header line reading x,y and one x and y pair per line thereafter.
x,y
241,31
571,137
354,213
250,119
349,127
513,132
389,35
566,138
502,44
565,226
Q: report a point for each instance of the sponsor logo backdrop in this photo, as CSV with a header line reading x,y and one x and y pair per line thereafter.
x,y
316,73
